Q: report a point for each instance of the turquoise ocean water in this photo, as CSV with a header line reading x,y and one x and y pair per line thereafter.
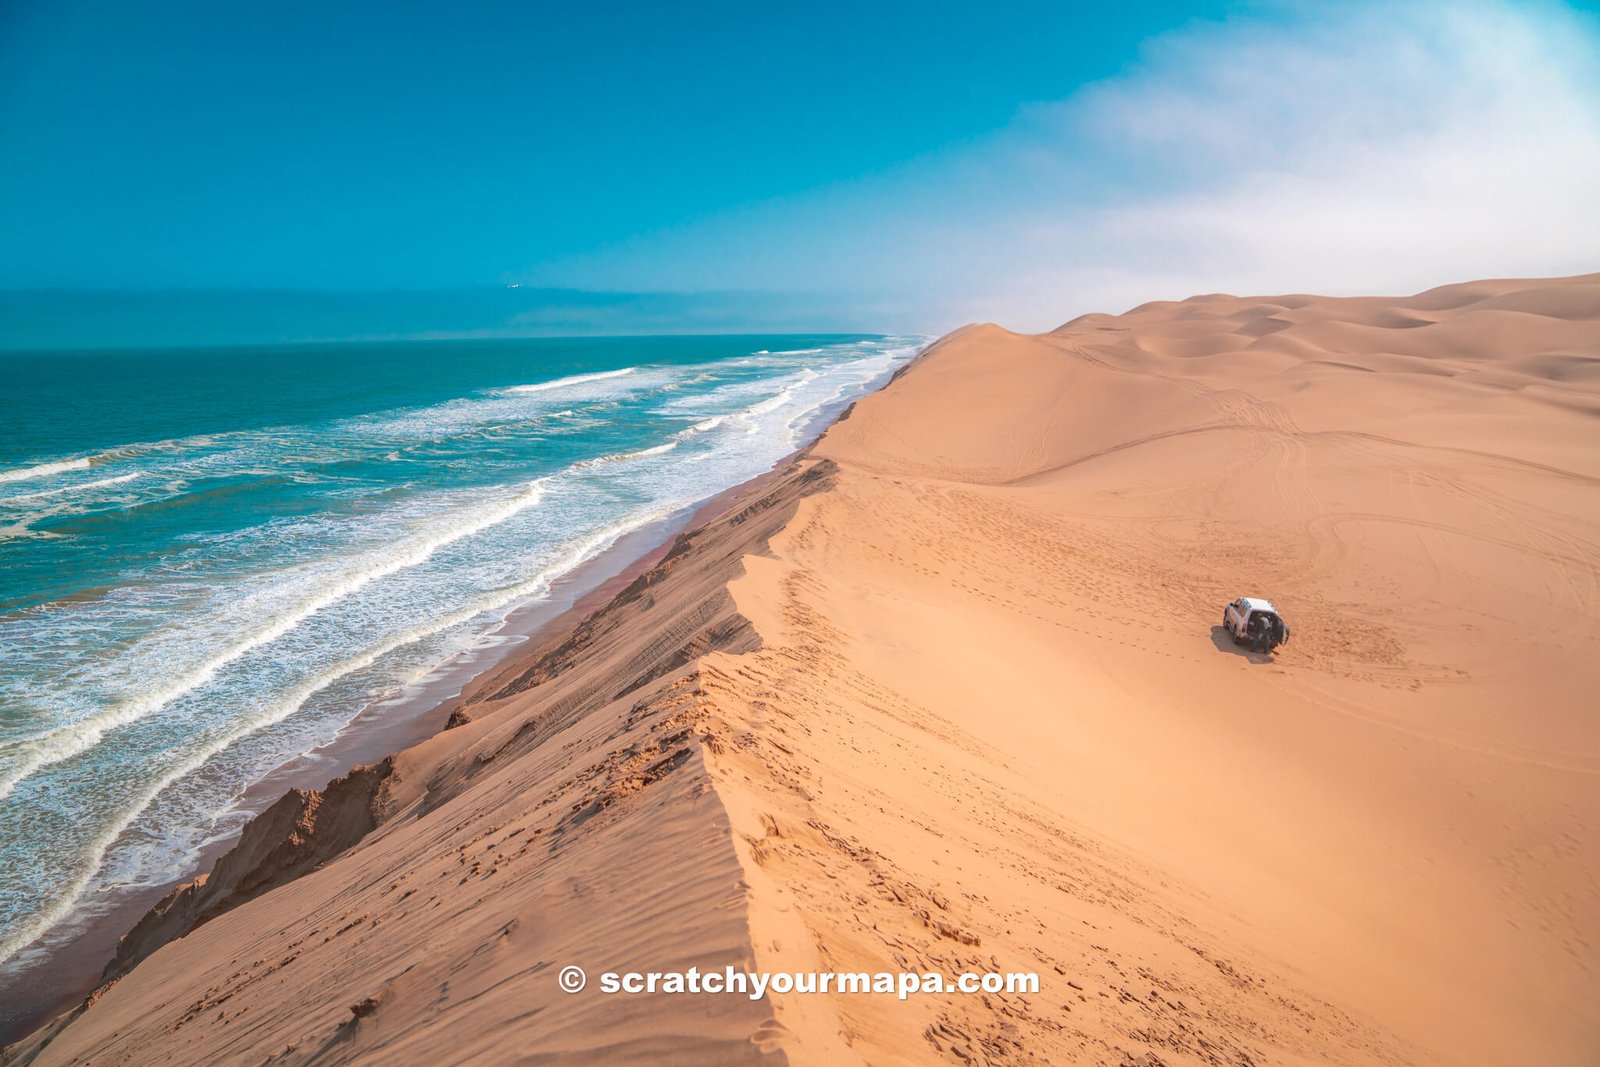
x,y
212,559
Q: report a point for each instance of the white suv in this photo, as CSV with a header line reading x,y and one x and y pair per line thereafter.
x,y
1253,620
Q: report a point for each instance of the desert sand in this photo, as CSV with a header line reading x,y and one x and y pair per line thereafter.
x,y
948,692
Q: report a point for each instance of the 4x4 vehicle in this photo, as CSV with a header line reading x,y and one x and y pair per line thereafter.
x,y
1254,621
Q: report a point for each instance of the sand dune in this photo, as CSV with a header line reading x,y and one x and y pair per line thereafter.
x,y
948,693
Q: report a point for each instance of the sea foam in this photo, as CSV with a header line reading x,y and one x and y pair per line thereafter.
x,y
43,470
575,379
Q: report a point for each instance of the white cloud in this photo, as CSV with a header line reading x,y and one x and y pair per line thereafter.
x,y
1362,149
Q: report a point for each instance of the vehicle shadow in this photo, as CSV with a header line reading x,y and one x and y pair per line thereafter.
x,y
1223,640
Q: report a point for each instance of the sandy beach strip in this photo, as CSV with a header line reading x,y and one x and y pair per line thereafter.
x,y
949,693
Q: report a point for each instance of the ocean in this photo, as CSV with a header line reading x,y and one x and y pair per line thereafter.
x,y
211,560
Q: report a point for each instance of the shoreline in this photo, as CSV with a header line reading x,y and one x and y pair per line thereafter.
x,y
64,978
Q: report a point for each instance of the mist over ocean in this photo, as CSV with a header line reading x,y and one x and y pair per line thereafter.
x,y
212,559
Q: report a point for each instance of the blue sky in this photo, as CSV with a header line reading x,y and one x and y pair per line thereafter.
x,y
427,144
852,165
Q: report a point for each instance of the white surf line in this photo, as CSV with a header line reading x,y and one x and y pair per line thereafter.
x,y
23,525
623,457
43,470
777,400
575,379
70,739
784,392
62,907
80,487
705,425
